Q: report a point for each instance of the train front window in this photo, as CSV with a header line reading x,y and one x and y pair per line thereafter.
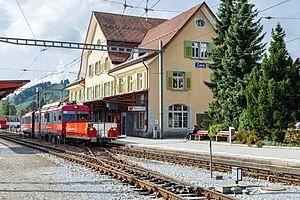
x,y
82,116
68,115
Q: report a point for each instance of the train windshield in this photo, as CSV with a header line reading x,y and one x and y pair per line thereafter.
x,y
82,116
68,115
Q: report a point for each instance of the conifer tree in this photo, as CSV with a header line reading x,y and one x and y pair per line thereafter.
x,y
273,94
225,13
244,49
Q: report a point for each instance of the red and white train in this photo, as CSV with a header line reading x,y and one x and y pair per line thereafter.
x,y
64,121
4,124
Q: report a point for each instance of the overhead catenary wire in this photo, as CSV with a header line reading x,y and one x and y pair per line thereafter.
x,y
211,31
33,34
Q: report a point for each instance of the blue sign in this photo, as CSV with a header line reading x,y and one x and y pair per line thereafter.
x,y
200,65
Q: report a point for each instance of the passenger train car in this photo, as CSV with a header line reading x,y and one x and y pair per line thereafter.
x,y
65,121
3,124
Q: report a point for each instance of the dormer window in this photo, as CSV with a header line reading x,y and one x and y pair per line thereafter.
x,y
200,23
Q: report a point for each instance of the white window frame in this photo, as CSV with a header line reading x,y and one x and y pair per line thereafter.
x,y
121,84
89,93
106,89
97,91
183,116
139,80
198,25
130,83
200,50
140,122
97,68
178,80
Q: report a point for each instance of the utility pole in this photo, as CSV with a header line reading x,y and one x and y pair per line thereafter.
x,y
39,109
161,91
210,158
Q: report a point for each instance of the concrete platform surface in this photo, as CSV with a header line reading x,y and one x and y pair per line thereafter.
x,y
275,155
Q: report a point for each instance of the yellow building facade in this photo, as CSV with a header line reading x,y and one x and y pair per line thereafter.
x,y
124,89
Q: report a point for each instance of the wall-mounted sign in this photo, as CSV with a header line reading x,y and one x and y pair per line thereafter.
x,y
137,108
200,65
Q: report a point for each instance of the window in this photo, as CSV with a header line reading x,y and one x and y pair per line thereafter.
x,y
130,83
141,120
106,89
178,116
200,50
195,50
106,64
178,81
204,49
82,116
139,80
80,95
89,93
97,91
121,85
200,23
68,115
98,41
75,96
90,70
97,68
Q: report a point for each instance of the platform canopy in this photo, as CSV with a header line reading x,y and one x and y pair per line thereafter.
x,y
9,86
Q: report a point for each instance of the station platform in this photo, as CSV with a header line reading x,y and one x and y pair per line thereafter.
x,y
279,156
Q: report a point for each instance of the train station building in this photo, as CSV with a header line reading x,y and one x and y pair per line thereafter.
x,y
123,88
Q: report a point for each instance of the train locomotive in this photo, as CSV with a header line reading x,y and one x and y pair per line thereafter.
x,y
60,121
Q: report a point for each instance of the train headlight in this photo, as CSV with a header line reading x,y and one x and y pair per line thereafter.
x,y
91,129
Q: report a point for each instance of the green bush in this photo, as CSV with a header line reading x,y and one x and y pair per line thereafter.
x,y
241,136
214,129
259,143
246,137
205,124
292,136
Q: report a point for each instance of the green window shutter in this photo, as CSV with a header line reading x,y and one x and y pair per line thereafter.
x,y
188,78
188,49
169,80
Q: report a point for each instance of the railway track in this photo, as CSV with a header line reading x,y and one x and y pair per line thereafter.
x,y
287,175
145,181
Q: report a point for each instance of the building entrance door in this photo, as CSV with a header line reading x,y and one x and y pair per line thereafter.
x,y
127,124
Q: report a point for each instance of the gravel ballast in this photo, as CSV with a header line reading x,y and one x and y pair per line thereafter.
x,y
29,174
202,178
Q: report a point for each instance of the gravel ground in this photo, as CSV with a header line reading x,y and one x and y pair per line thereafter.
x,y
29,174
202,178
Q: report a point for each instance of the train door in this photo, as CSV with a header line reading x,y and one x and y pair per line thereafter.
x,y
127,124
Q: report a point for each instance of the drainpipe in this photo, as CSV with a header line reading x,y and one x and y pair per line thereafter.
x,y
147,83
115,77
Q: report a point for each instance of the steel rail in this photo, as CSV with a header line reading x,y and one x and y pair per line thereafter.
x,y
260,171
147,181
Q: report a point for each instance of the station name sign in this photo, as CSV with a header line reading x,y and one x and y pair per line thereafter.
x,y
136,108
200,65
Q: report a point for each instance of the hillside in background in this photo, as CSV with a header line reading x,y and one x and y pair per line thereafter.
x,y
25,101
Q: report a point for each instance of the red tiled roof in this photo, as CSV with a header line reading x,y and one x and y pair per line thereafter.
x,y
167,30
124,28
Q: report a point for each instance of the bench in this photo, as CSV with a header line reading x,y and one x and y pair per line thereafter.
x,y
223,134
200,133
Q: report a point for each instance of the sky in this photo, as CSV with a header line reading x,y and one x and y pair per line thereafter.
x,y
67,20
